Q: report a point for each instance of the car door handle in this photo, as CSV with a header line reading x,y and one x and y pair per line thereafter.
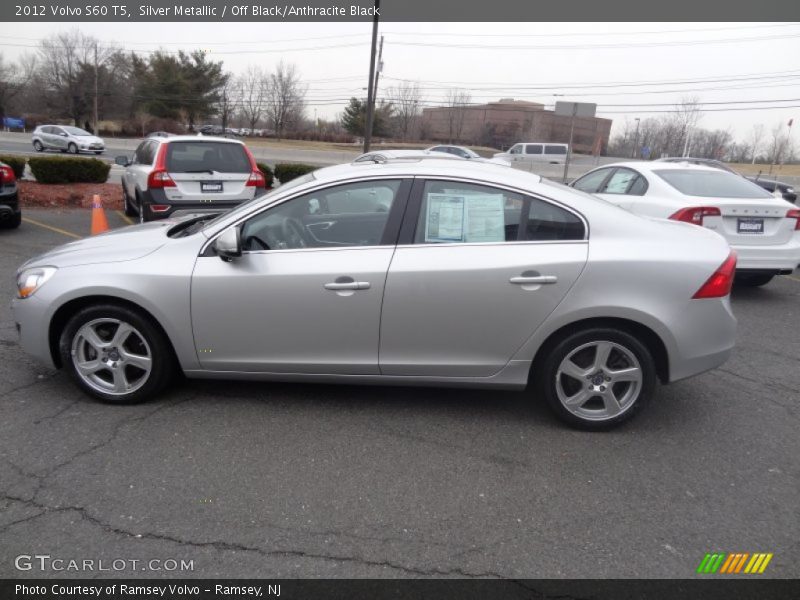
x,y
347,285
522,280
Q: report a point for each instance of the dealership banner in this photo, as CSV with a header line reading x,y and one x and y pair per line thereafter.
x,y
378,589
396,10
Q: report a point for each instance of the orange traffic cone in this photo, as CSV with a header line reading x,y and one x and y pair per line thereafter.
x,y
99,222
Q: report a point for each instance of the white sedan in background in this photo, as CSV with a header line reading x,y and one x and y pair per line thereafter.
x,y
764,230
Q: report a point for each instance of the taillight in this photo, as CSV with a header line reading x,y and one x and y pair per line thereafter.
x,y
719,284
7,174
159,177
256,178
794,214
159,208
695,214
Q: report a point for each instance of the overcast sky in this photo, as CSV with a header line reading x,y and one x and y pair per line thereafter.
x,y
753,64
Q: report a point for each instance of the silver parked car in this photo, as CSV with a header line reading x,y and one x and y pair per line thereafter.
x,y
67,139
406,272
185,173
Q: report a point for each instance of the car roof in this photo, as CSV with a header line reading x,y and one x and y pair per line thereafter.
x,y
649,167
406,154
195,138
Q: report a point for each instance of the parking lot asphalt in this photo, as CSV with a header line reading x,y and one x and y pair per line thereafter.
x,y
279,480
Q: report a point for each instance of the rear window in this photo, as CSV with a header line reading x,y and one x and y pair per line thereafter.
x,y
191,156
711,184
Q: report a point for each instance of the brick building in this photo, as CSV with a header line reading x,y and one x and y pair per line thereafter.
x,y
507,121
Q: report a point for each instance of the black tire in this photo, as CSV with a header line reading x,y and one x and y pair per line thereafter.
x,y
752,280
162,362
130,211
549,381
12,223
140,211
72,148
98,152
37,145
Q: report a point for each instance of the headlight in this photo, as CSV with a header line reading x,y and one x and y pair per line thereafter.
x,y
30,280
790,190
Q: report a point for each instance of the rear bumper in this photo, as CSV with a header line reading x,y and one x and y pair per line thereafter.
x,y
158,197
766,259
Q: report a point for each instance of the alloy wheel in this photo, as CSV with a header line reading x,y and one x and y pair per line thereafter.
x,y
599,380
111,356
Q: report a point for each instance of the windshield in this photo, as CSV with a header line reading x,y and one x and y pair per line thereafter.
x,y
711,184
76,131
278,191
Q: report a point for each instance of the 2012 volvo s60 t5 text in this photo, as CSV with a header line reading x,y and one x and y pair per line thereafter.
x,y
414,271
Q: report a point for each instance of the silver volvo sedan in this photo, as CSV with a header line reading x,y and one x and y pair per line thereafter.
x,y
415,271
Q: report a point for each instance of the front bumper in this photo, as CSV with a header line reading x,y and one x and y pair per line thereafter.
x,y
776,259
30,316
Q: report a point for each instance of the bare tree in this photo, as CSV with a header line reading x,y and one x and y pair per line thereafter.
x,y
685,118
285,98
252,88
406,99
778,144
457,102
14,79
64,61
756,138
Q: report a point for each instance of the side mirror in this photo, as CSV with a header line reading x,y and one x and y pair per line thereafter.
x,y
122,161
228,244
63,134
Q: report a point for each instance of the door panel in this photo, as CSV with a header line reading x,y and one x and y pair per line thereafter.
x,y
452,310
271,312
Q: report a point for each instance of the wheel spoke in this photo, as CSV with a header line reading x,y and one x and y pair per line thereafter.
x,y
90,335
122,333
570,368
611,403
579,399
89,367
633,374
137,360
120,380
601,355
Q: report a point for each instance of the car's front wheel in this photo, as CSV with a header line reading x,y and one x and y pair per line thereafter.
x,y
116,354
597,378
72,148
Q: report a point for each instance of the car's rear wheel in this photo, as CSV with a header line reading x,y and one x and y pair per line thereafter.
x,y
12,222
752,280
37,145
130,211
140,208
115,354
597,378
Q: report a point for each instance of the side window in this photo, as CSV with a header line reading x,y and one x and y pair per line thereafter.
x,y
619,182
139,157
150,152
453,212
638,187
517,149
533,149
556,149
353,214
547,222
48,130
591,182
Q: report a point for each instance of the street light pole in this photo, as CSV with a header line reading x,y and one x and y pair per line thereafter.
x,y
371,88
635,139
569,148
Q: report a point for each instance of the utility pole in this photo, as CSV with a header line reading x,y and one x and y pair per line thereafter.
x,y
636,139
95,89
370,88
569,148
378,70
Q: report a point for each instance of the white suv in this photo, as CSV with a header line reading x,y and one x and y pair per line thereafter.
x,y
180,174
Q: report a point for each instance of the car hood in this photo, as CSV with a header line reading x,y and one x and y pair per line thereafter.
x,y
128,243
